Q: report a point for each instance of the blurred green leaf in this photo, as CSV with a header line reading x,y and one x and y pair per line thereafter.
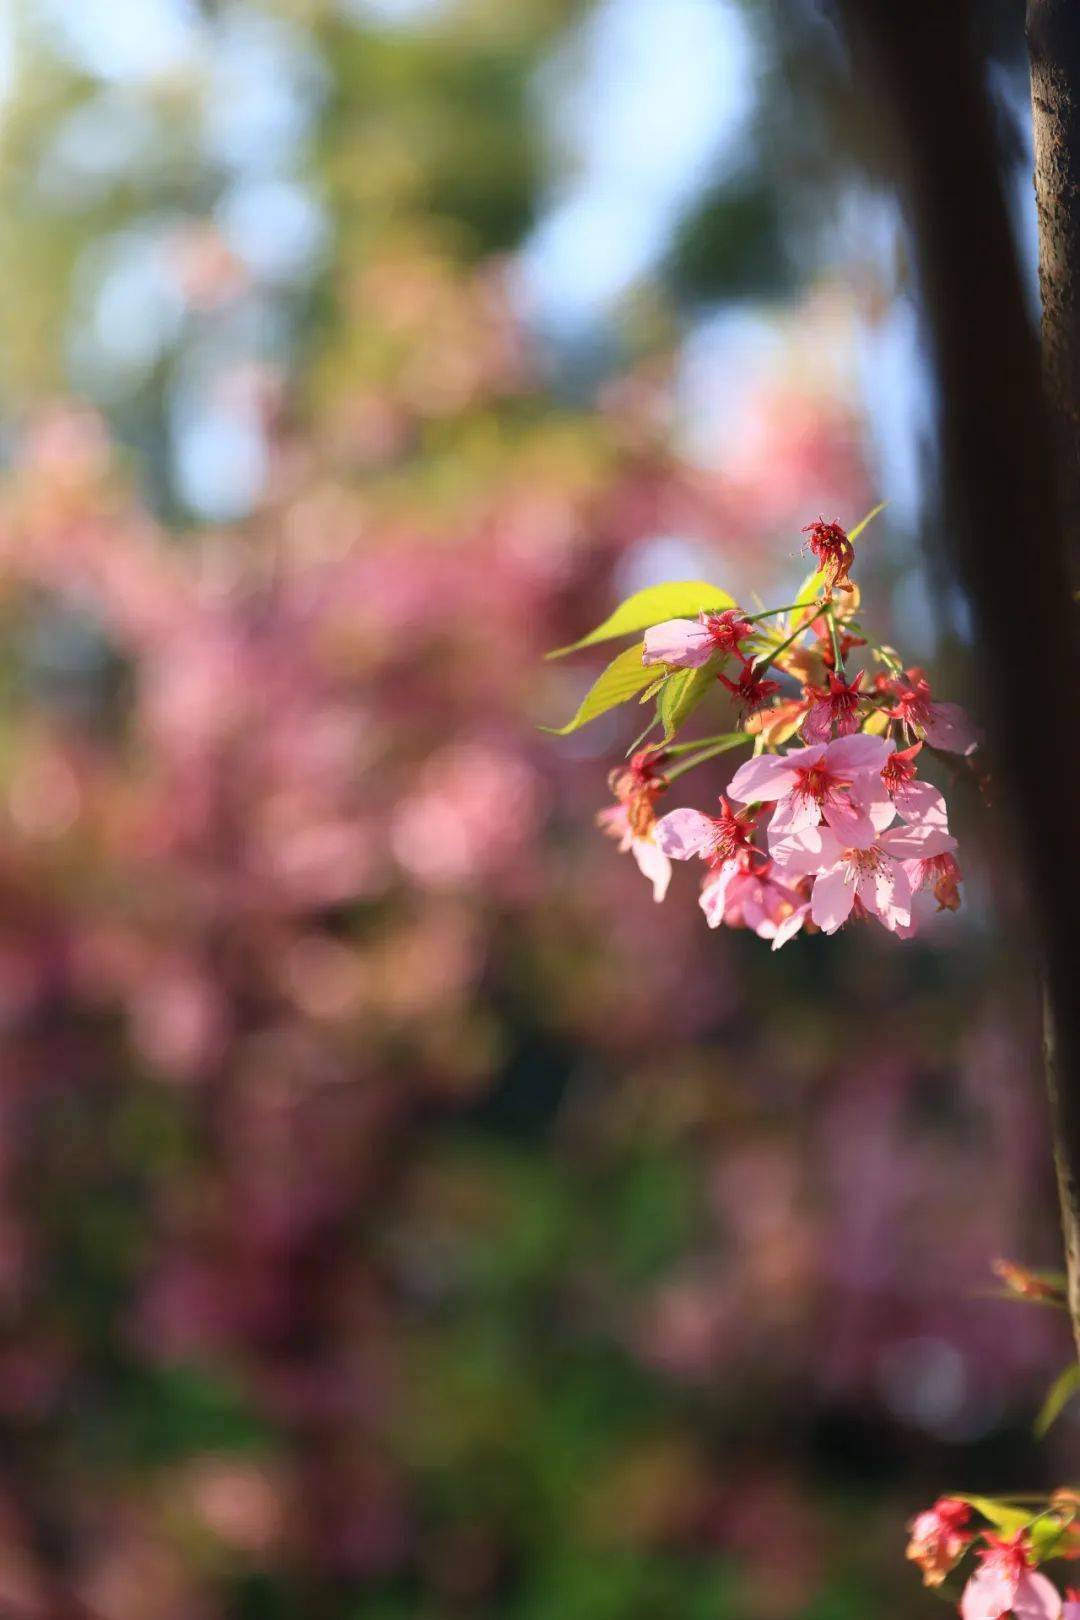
x,y
1004,1516
1060,1393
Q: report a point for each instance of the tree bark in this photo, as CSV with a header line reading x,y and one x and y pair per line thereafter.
x,y
1005,535
1053,33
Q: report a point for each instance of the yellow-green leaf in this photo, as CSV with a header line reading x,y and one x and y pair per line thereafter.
x,y
810,589
680,696
1061,1392
853,534
682,599
1002,1515
622,679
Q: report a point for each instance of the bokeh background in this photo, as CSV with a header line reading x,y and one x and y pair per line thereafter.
x,y
401,1217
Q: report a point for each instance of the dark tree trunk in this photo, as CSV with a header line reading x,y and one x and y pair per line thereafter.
x,y
1006,536
1053,31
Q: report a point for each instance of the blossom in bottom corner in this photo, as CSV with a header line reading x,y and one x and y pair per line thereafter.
x,y
1070,1609
1006,1584
938,1538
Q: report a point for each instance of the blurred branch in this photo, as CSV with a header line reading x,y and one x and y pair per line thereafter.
x,y
1006,532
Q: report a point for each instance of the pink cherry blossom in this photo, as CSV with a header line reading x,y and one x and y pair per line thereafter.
x,y
743,894
938,1540
689,643
651,860
838,781
1006,1584
1070,1609
869,871
916,801
939,875
944,725
682,834
835,707
751,690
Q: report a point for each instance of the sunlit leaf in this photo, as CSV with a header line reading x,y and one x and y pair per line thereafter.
x,y
811,587
1004,1516
622,679
681,696
853,534
682,599
1061,1392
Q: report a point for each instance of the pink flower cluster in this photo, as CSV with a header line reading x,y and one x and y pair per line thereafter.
x,y
1006,1581
832,847
853,831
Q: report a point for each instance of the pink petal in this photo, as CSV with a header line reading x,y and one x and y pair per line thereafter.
x,y
870,794
800,758
851,825
767,777
858,753
988,1595
678,641
790,926
792,815
756,918
1036,1598
714,893
810,850
616,821
921,802
886,893
832,900
917,842
683,833
949,727
817,727
653,864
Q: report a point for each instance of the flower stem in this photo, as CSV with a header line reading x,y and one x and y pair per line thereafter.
x,y
729,737
838,657
763,663
771,613
733,740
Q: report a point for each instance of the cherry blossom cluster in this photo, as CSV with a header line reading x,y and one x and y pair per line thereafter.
x,y
1004,1580
830,819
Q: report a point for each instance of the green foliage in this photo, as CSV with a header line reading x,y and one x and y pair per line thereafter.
x,y
853,534
1060,1393
732,246
1005,1517
681,599
623,677
681,694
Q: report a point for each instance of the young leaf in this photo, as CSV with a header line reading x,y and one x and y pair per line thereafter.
x,y
682,599
853,534
1062,1390
1002,1515
622,679
681,696
811,588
